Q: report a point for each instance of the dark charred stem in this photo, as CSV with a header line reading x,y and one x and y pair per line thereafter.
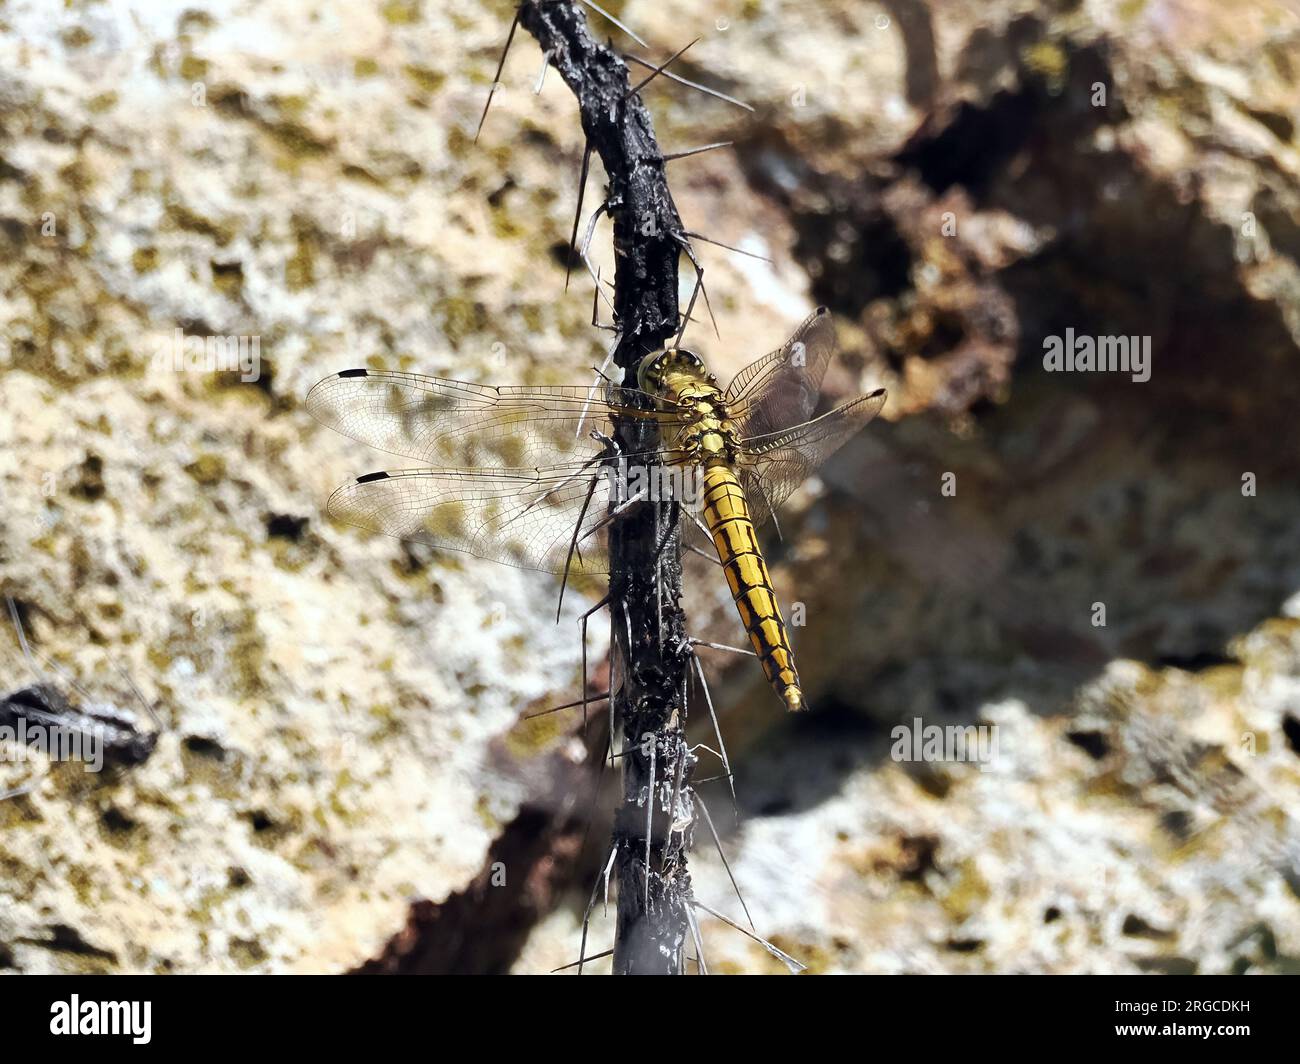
x,y
649,666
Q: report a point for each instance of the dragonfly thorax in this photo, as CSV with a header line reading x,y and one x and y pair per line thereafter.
x,y
707,432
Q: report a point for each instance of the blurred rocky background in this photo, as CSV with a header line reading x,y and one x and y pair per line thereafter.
x,y
341,776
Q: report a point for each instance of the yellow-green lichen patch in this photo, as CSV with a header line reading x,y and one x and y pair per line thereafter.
x,y
298,143
968,894
144,260
247,953
1049,61
532,736
193,68
76,37
228,278
194,21
105,101
208,469
249,659
401,12
461,318
180,216
426,80
300,270
484,810
459,142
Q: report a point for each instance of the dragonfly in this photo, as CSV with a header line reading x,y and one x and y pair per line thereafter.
x,y
531,476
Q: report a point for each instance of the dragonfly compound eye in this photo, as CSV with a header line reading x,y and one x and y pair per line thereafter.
x,y
654,367
650,374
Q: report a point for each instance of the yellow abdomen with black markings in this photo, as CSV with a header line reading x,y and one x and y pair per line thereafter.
x,y
709,440
727,516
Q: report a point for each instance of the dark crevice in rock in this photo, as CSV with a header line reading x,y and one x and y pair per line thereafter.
x,y
481,929
845,241
1195,662
550,851
1291,729
972,144
202,746
1093,743
65,939
286,526
1136,927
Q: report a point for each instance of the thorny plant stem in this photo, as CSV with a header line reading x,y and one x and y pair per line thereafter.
x,y
650,654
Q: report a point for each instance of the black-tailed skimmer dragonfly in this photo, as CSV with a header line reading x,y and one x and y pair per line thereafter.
x,y
515,475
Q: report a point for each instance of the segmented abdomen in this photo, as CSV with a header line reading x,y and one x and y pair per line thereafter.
x,y
727,517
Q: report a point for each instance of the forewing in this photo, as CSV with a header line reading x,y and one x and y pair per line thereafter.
x,y
521,517
780,390
454,423
774,464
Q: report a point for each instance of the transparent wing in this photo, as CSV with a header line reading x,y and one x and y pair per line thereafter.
x,y
455,423
772,465
528,518
780,390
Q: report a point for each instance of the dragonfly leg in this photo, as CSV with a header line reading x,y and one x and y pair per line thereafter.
x,y
623,507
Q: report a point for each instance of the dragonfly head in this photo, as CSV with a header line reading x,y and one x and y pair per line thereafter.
x,y
654,368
